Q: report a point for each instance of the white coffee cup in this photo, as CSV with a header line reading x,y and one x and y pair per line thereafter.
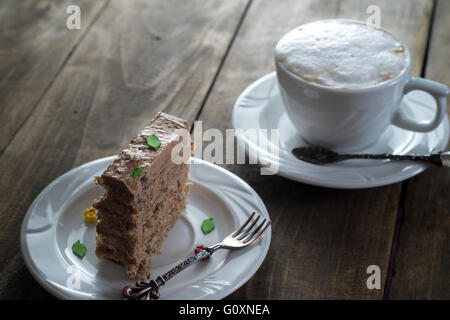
x,y
352,119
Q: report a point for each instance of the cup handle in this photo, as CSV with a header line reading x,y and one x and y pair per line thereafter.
x,y
439,93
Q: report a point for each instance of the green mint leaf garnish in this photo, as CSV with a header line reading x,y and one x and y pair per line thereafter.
x,y
137,171
153,141
207,225
79,249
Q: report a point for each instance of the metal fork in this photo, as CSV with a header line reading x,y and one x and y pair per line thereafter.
x,y
242,237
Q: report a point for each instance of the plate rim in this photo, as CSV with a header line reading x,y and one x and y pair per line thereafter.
x,y
298,177
64,294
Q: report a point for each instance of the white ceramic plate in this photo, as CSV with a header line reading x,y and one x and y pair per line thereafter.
x,y
55,221
260,107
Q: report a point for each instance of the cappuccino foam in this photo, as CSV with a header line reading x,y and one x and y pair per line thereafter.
x,y
341,54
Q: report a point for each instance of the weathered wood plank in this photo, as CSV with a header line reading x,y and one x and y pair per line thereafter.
x,y
323,239
34,45
422,266
140,57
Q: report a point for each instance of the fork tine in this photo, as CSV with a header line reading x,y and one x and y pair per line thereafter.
x,y
260,233
250,227
249,236
239,230
255,235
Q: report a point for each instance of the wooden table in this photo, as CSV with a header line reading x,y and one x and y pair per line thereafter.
x,y
71,96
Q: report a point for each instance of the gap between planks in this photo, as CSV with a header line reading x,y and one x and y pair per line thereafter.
x,y
401,211
58,72
222,61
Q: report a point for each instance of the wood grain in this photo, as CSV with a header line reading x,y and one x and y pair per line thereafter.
x,y
139,58
34,45
422,266
323,239
144,56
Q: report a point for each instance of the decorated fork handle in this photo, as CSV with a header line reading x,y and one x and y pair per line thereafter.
x,y
150,290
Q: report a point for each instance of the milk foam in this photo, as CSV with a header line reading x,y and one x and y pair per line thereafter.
x,y
342,54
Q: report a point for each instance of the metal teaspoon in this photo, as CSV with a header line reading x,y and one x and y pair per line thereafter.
x,y
320,155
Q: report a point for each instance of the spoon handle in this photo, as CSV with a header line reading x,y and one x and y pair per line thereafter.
x,y
434,158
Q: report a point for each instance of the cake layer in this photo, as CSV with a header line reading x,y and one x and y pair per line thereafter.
x,y
157,189
112,217
137,211
134,238
136,255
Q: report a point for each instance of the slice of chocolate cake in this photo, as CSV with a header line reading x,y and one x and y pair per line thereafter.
x,y
144,193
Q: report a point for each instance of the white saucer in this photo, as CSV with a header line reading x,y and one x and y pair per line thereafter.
x,y
55,221
260,107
